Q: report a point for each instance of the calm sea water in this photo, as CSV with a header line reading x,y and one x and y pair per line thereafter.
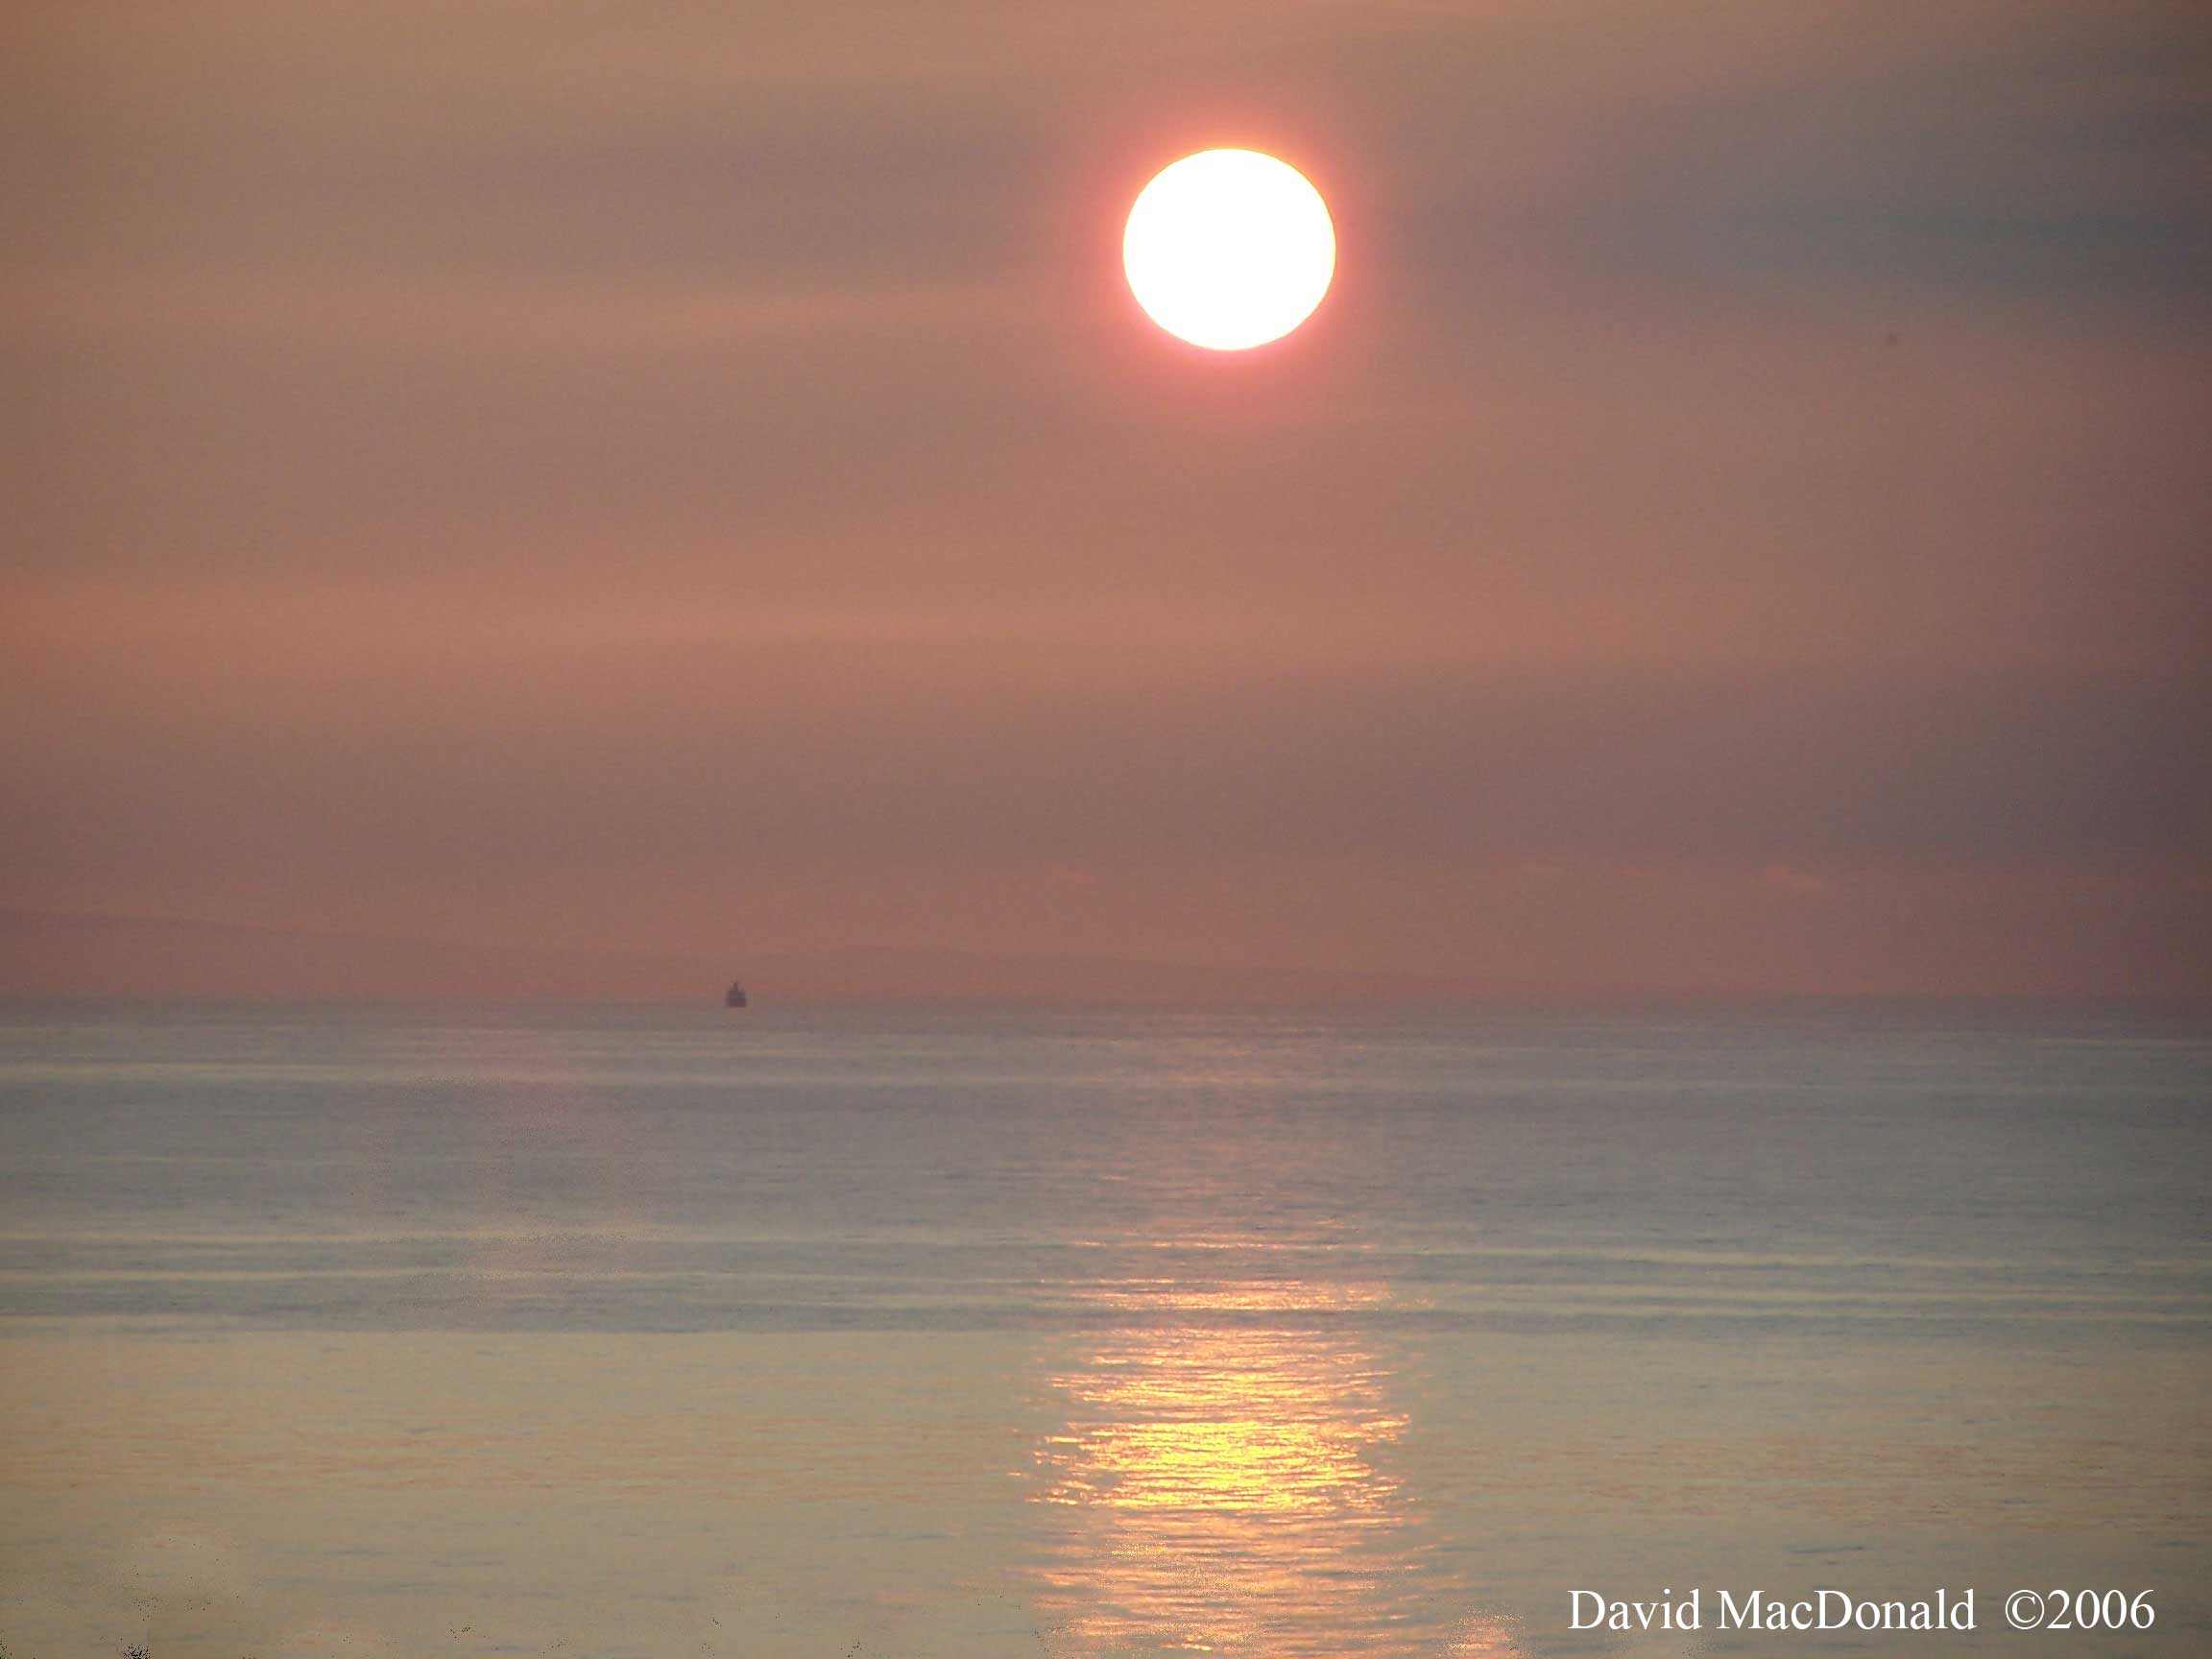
x,y
893,1332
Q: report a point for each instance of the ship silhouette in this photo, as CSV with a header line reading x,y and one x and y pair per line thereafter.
x,y
735,996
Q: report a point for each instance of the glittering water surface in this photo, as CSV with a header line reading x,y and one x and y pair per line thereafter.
x,y
865,1332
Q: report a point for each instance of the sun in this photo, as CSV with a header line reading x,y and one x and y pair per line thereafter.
x,y
1229,248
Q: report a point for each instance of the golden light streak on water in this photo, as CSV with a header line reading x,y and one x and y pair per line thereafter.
x,y
1221,1480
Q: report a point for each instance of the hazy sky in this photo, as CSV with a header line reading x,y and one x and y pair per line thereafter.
x,y
690,479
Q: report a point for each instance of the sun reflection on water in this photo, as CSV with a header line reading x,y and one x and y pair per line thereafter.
x,y
1222,1485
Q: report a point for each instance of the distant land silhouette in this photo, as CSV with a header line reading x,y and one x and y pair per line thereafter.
x,y
57,954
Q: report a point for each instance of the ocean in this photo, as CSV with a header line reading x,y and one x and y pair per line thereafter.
x,y
866,1332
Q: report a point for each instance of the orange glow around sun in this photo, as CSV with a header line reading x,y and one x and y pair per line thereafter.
x,y
1229,248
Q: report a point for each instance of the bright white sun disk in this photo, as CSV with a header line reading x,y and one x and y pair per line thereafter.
x,y
1229,248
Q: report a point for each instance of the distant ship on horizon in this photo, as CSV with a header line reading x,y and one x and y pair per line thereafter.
x,y
735,996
